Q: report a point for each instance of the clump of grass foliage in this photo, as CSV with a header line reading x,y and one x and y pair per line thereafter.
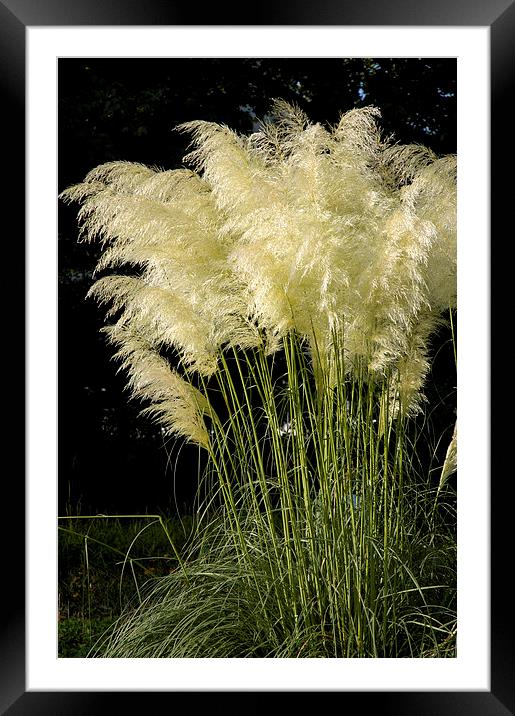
x,y
279,309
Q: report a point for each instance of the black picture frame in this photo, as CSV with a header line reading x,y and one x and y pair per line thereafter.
x,y
499,16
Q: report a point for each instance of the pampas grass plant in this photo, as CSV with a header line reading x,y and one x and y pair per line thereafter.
x,y
278,312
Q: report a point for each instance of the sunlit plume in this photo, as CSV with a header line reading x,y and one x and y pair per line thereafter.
x,y
297,227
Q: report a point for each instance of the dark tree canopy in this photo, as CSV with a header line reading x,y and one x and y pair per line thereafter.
x,y
126,109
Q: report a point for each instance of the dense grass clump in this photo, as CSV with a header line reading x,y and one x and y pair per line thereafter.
x,y
220,608
294,278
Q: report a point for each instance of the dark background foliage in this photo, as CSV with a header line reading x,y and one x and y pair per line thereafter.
x,y
110,459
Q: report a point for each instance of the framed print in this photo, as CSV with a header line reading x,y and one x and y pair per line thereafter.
x,y
92,87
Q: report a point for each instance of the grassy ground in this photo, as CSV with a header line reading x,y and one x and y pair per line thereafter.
x,y
103,564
